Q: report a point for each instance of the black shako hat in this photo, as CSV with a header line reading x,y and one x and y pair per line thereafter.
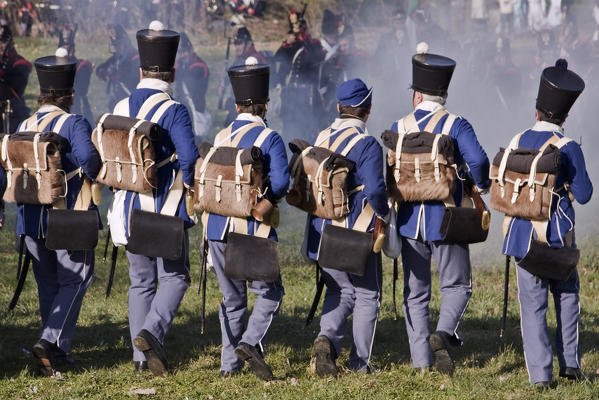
x,y
250,83
558,90
56,74
431,73
157,48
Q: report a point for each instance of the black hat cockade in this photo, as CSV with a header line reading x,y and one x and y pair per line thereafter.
x,y
431,73
250,83
558,90
157,48
56,74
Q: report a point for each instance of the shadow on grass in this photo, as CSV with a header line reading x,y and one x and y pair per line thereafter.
x,y
107,344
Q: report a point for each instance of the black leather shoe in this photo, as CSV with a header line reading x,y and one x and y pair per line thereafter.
x,y
439,345
544,385
43,351
253,357
153,351
325,357
572,373
61,359
140,366
228,374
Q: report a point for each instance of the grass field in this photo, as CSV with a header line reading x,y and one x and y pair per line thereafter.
x,y
487,367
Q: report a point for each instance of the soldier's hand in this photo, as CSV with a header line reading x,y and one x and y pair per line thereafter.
x,y
291,39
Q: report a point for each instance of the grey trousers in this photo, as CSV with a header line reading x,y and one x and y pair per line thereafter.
x,y
533,297
234,306
453,264
62,280
151,307
360,295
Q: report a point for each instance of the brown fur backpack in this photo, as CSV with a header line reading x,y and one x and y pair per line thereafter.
x,y
420,165
126,145
523,180
228,179
32,161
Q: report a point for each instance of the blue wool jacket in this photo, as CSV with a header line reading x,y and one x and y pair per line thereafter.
x,y
32,219
573,171
274,169
411,215
367,155
177,136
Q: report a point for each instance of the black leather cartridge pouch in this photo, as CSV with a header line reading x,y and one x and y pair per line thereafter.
x,y
344,249
550,262
156,235
463,226
251,258
72,230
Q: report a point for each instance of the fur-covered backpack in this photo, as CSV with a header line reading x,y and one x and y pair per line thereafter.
x,y
32,161
126,146
420,164
523,180
320,174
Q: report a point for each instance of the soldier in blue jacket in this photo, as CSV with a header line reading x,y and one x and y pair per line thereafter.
x,y
241,342
152,309
348,293
62,276
419,225
558,90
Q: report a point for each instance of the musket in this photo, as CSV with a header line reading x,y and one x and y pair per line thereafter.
x,y
317,295
223,84
202,286
6,116
21,283
506,286
113,258
395,277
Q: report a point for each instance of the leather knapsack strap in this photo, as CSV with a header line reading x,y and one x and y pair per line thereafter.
x,y
502,166
222,137
323,136
362,222
241,226
434,120
342,138
46,120
262,137
174,196
352,143
448,124
150,103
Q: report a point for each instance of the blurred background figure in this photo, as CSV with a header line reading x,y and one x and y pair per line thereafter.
x,y
191,86
298,60
66,40
506,17
14,74
248,8
121,70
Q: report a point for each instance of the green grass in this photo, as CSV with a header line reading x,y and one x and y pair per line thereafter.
x,y
487,367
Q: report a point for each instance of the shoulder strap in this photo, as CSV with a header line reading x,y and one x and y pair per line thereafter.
x,y
150,103
122,107
448,124
224,133
512,146
352,143
61,120
533,167
434,120
562,142
262,137
342,138
161,110
407,124
323,136
47,119
241,133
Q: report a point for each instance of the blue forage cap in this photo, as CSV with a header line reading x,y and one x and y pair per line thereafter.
x,y
354,93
